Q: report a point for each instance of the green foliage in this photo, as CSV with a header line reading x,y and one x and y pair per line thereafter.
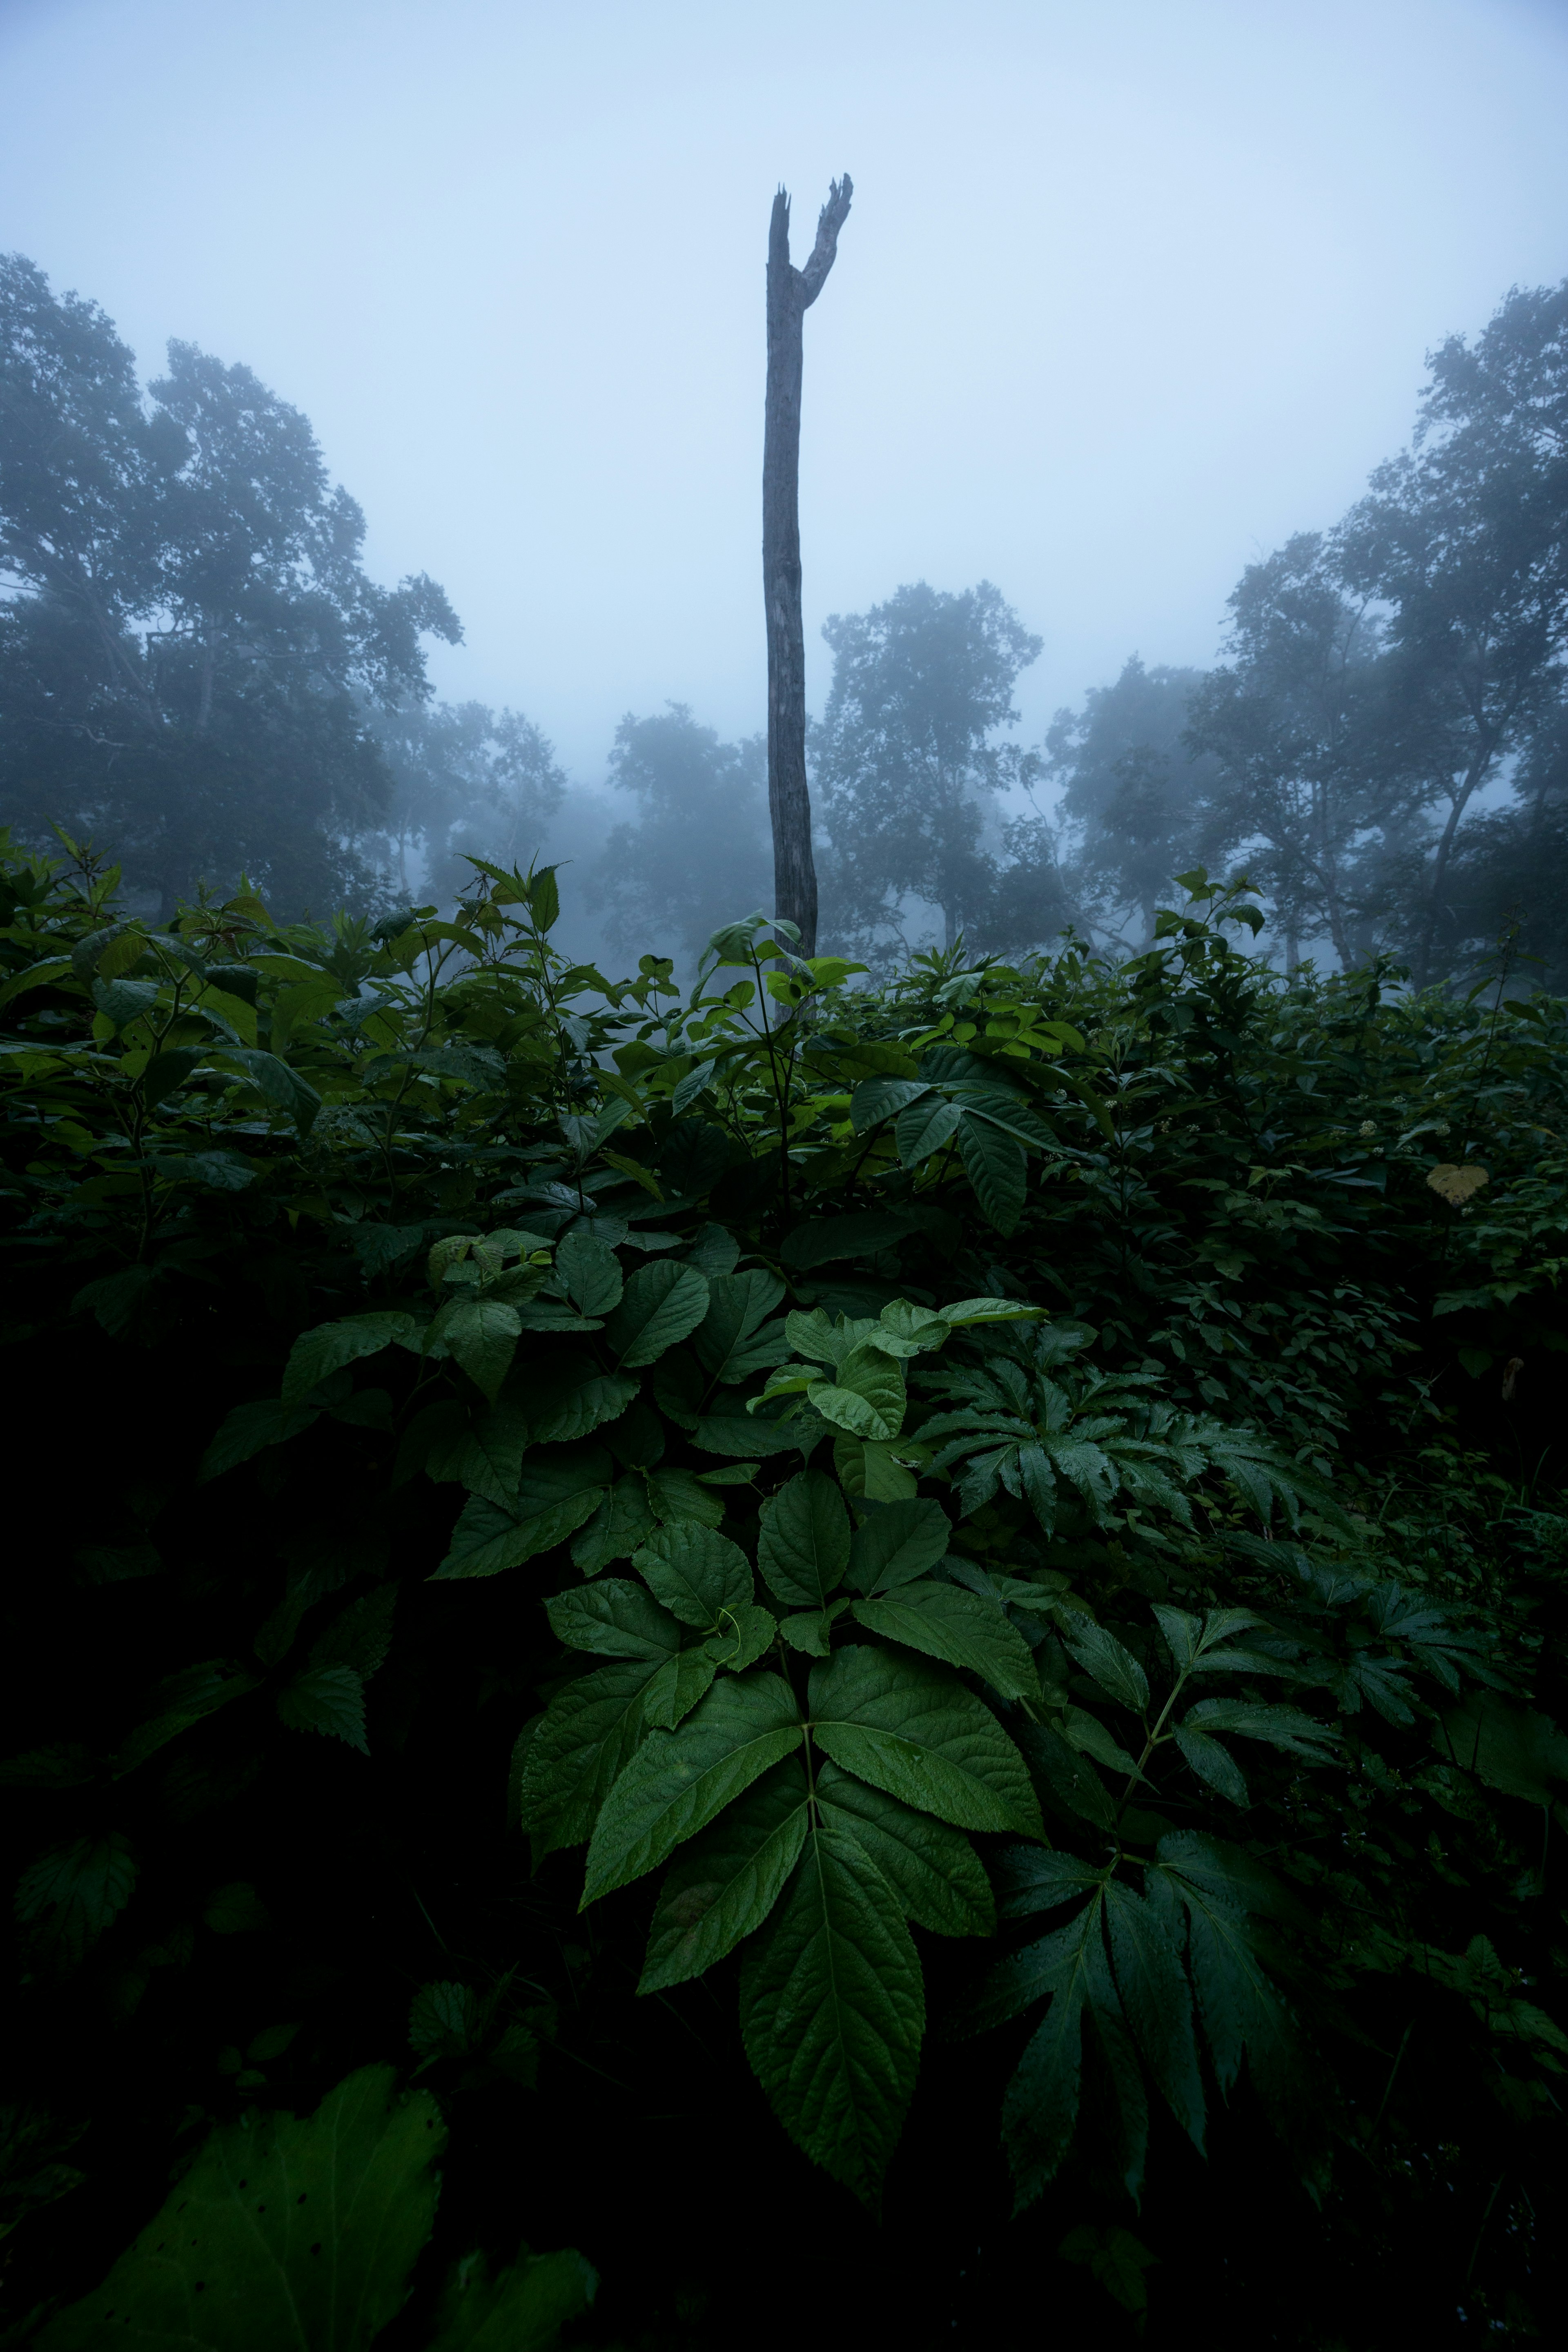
x,y
853,1554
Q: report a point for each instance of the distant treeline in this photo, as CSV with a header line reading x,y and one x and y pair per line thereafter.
x,y
196,671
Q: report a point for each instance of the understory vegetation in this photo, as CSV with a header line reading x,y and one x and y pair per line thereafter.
x,y
985,1756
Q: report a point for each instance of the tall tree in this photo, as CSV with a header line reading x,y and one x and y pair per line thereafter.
x,y
791,293
1465,539
190,640
695,855
1133,791
905,754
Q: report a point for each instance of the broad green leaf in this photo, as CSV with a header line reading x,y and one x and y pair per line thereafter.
x,y
1110,1665
868,1398
481,1336
925,1128
318,1353
965,1311
362,1636
442,2020
735,1433
809,1630
561,1488
675,1688
896,1544
284,2236
276,1083
1146,1956
875,1099
617,1618
915,1731
947,1623
522,2309
589,1272
875,1470
933,1869
1039,2110
679,1781
327,1699
833,2010
728,1879
582,1740
663,1302
619,1525
681,1495
569,1399
996,1166
730,1339
1074,1783
803,1547
1511,1749
744,1635
73,1894
176,1703
1281,1726
696,1573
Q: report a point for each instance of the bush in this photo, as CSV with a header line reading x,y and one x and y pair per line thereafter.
x,y
1068,1446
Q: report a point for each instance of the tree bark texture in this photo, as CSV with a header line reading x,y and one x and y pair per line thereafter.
x,y
791,293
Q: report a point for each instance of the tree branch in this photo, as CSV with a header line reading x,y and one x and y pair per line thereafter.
x,y
829,221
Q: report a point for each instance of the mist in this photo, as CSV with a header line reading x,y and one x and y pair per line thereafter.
x,y
1129,295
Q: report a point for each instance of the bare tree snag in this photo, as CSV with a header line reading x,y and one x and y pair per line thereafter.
x,y
791,293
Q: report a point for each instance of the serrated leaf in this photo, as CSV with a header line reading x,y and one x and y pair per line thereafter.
x,y
1109,1663
675,1688
933,1869
1214,1763
1146,1960
743,1636
680,1495
896,1543
580,1743
69,1895
803,1546
696,1573
317,1354
1280,1726
727,1881
868,1398
996,1166
442,2018
561,1488
915,1731
234,2262
327,1699
679,1781
615,1619
570,1400
947,1623
522,2309
589,1272
481,1336
833,2010
730,1340
663,1302
619,1525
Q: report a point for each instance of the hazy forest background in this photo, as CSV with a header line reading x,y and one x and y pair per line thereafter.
x,y
198,672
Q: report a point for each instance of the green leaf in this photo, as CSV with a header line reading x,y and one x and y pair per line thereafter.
x,y
736,1434
1112,1666
996,1168
583,1739
481,1336
743,1636
869,1398
1214,1763
924,1129
873,1470
276,1083
696,1573
803,1547
182,1699
1511,1749
1073,1782
947,1623
569,1399
681,1495
1281,1726
561,1488
675,1688
591,1273
933,1869
875,1099
679,1781
124,1000
663,1302
896,1544
283,2236
73,1894
442,2020
249,1429
915,1731
327,1699
727,1339
317,1354
727,1881
617,1618
1146,1957
522,2309
833,2010
619,1525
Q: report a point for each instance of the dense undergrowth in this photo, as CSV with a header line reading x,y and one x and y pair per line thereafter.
x,y
903,1655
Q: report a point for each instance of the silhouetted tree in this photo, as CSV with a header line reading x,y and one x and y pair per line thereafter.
x,y
696,855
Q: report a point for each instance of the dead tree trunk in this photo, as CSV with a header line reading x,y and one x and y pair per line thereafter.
x,y
791,293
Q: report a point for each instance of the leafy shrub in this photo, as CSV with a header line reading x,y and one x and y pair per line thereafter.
x,y
979,1451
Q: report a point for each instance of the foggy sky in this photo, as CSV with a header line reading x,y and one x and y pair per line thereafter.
x,y
1131,290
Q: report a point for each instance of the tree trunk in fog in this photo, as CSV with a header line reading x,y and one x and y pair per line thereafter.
x,y
791,293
